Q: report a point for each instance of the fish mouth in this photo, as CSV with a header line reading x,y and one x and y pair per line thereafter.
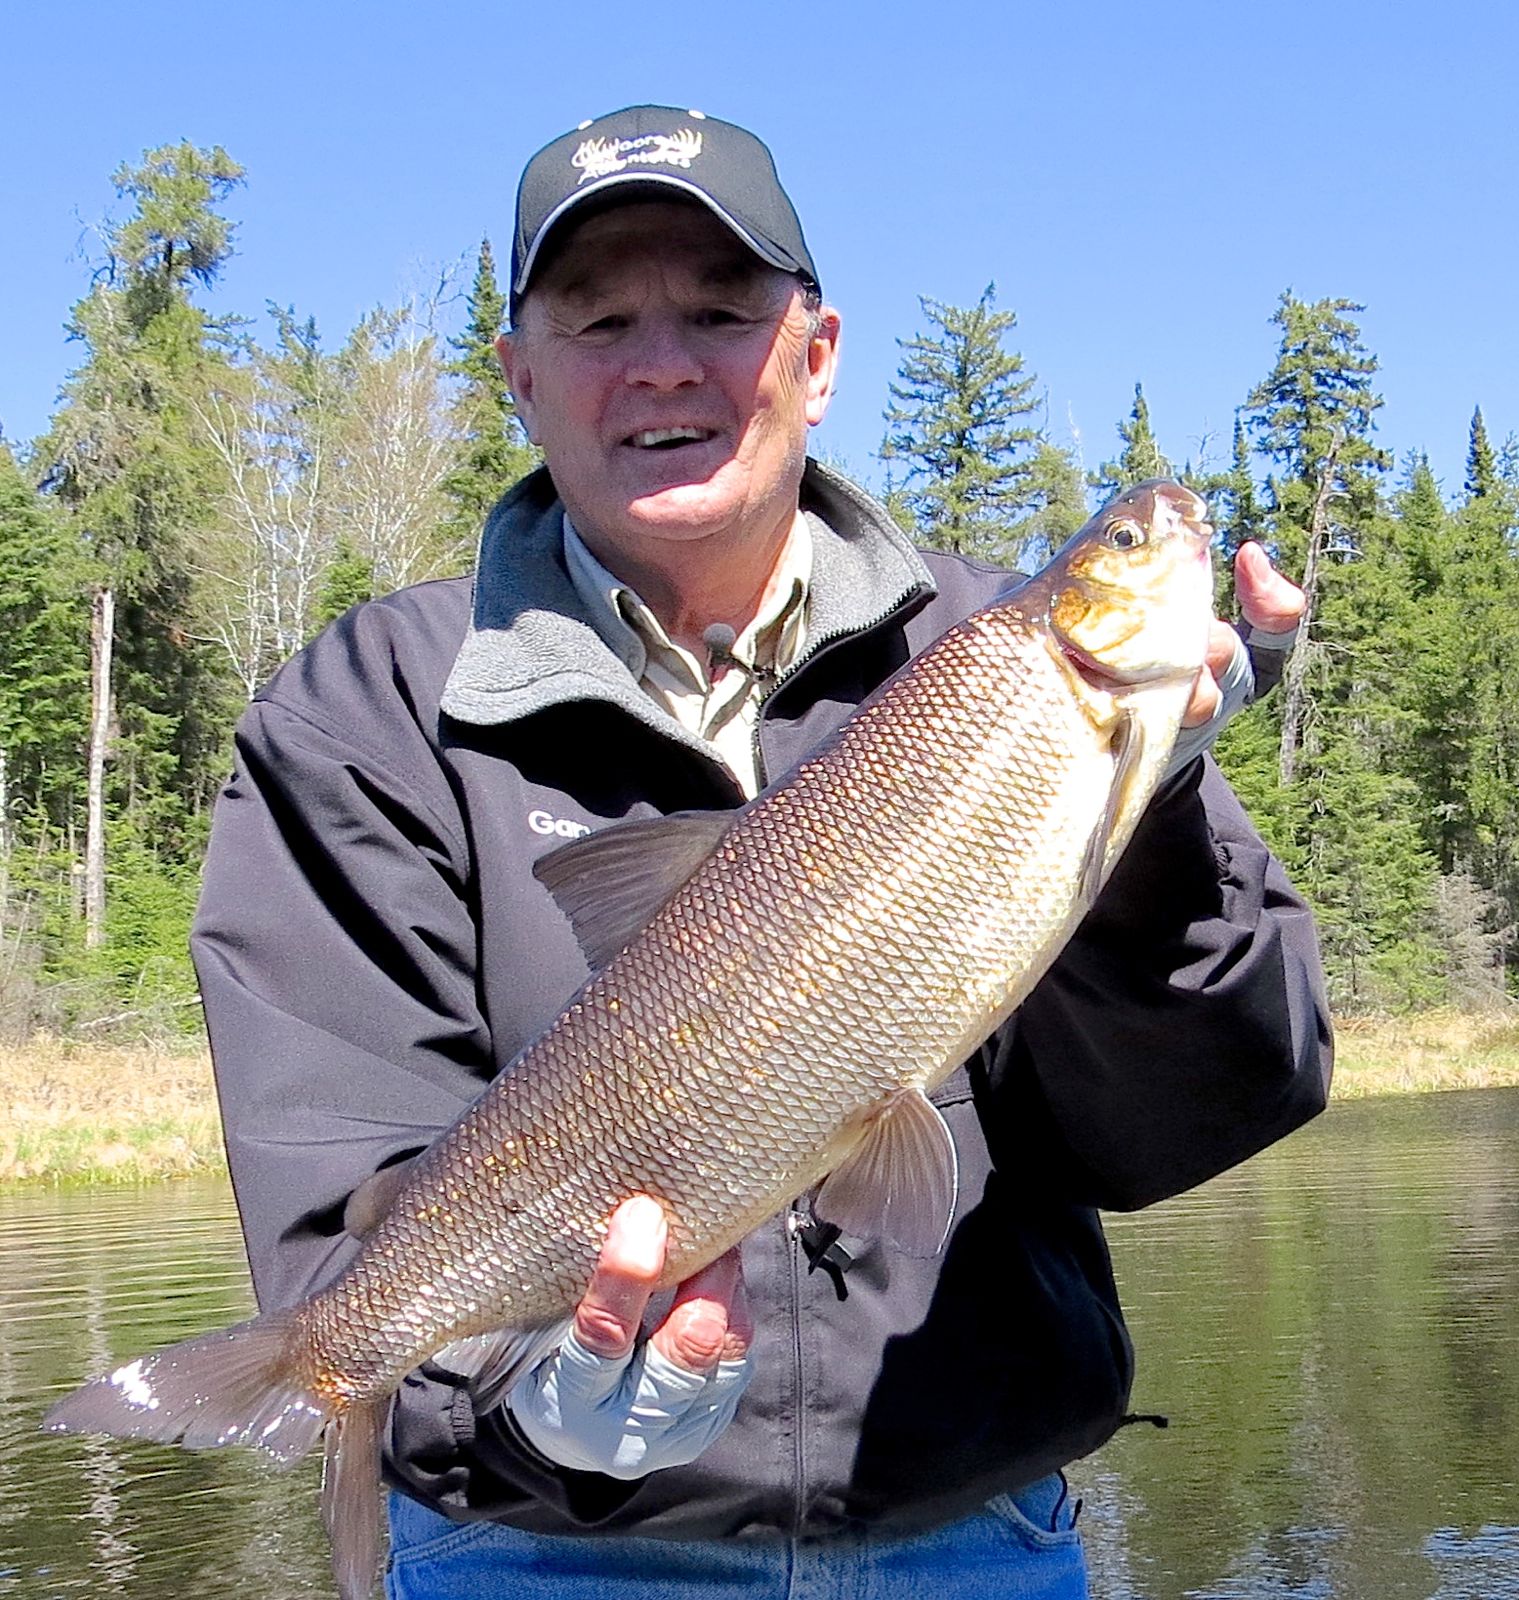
x,y
1090,669
1179,509
675,437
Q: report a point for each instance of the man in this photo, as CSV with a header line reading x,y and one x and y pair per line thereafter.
x,y
676,610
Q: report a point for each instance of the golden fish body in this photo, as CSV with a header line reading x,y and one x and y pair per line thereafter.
x,y
854,934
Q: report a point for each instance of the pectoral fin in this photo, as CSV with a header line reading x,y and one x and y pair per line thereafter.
x,y
1128,749
900,1181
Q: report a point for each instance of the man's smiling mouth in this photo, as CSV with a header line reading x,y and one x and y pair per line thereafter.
x,y
668,438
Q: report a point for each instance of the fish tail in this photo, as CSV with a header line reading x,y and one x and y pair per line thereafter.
x,y
353,1498
240,1385
247,1385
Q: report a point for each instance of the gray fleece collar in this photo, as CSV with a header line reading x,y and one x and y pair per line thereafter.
x,y
531,644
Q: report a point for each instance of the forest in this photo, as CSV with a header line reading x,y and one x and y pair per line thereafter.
x,y
204,500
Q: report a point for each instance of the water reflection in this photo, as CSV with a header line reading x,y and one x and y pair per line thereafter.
x,y
1333,1332
86,1278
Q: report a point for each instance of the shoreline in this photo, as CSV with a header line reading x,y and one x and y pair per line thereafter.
x,y
85,1114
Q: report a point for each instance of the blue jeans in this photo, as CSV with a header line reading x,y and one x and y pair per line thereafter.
x,y
1020,1547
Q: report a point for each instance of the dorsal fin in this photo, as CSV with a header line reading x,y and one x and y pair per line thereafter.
x,y
610,884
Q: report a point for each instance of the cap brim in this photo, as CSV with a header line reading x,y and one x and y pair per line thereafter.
x,y
767,252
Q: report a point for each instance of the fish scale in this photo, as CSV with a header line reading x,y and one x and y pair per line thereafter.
x,y
899,898
850,938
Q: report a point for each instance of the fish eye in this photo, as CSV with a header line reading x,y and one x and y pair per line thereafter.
x,y
1126,535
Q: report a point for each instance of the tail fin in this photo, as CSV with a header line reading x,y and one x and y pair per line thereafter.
x,y
240,1385
243,1385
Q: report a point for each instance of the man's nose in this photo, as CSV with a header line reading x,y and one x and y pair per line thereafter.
x,y
662,354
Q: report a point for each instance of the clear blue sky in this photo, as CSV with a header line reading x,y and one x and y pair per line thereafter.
x,y
1141,181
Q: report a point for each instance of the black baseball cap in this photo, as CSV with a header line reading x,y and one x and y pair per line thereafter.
x,y
645,152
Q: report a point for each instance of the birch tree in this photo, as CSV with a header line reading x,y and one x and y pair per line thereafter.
x,y
274,424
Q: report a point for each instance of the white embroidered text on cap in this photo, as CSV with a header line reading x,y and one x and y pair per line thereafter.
x,y
598,158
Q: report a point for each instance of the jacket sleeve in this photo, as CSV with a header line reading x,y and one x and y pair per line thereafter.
x,y
1184,1028
336,957
336,949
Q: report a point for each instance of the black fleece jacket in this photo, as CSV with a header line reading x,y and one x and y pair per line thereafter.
x,y
373,948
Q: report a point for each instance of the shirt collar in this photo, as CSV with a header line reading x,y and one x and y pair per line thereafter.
x,y
773,640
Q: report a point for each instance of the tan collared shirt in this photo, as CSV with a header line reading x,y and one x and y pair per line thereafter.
x,y
716,700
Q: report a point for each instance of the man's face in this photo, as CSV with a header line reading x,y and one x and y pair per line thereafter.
x,y
670,378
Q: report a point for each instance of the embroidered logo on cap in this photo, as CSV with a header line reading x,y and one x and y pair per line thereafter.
x,y
599,158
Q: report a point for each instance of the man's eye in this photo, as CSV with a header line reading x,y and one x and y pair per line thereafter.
x,y
719,317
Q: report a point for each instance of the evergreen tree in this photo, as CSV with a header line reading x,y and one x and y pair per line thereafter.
x,y
1313,417
1481,464
348,581
1056,505
1474,635
960,426
1139,459
1236,509
44,677
127,456
1345,812
494,452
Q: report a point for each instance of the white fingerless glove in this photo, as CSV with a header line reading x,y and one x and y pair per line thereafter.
x,y
624,1416
1236,686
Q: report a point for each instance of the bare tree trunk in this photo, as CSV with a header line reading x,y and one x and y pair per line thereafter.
x,y
1294,678
102,642
5,856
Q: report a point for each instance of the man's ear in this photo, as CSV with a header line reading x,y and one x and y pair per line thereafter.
x,y
518,372
822,364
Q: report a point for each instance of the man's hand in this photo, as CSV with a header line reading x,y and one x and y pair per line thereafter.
x,y
1268,601
602,1402
1237,667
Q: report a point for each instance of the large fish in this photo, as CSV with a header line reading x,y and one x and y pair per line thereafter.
x,y
774,992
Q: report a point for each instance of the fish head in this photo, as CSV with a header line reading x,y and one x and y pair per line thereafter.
x,y
1131,591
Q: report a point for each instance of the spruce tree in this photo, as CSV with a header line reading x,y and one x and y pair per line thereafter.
x,y
1343,793
44,676
1055,506
1235,507
494,452
1313,417
1139,459
960,430
1481,464
127,455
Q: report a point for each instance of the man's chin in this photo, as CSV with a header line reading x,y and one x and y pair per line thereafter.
x,y
681,510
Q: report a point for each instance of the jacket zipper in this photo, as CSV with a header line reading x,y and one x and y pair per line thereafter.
x,y
794,1222
813,650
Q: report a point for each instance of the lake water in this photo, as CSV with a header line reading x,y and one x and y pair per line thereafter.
x,y
1332,1332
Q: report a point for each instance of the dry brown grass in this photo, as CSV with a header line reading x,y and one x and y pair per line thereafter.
x,y
89,1113
1425,1051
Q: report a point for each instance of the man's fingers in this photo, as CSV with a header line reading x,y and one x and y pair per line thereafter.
x,y
709,1320
632,1258
1267,600
1206,695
